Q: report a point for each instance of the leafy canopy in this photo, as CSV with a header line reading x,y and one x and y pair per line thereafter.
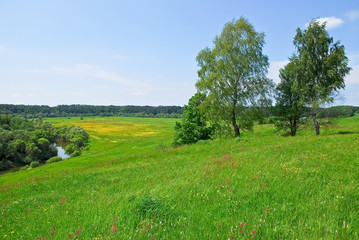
x,y
322,63
289,101
321,66
193,126
233,75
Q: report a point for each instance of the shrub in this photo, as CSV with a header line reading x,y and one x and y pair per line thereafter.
x,y
34,164
5,164
193,126
28,159
71,148
76,153
79,140
54,159
25,167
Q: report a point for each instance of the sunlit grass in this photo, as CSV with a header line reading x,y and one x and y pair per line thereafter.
x,y
265,186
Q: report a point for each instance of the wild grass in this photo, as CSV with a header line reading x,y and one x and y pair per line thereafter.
x,y
128,185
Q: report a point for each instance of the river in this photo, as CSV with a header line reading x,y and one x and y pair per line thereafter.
x,y
61,152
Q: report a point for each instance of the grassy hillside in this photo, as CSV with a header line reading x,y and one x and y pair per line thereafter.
x,y
129,185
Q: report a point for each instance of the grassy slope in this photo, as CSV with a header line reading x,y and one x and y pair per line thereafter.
x,y
266,186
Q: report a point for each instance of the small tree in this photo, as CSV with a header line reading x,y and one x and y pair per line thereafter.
x,y
193,126
34,164
233,75
321,67
289,103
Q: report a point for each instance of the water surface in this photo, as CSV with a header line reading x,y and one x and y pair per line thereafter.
x,y
61,152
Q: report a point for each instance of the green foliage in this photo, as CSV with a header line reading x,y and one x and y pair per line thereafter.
x,y
17,123
289,101
71,148
34,164
26,167
6,164
32,150
321,66
53,160
193,126
76,138
23,141
4,120
337,111
233,75
28,159
43,143
76,153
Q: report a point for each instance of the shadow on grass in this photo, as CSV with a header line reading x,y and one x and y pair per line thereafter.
x,y
343,133
347,132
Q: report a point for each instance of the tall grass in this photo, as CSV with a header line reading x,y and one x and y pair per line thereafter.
x,y
264,186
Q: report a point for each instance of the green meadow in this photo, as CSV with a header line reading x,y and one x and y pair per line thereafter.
x,y
131,184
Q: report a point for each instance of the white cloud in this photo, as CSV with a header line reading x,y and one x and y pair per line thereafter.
x,y
353,15
353,77
331,22
88,70
95,92
274,67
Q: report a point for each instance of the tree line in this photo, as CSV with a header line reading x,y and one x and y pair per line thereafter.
x,y
234,91
39,111
338,111
28,143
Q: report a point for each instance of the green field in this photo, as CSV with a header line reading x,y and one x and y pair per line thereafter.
x,y
131,184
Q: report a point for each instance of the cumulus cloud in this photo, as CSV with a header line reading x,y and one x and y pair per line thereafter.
x,y
274,67
331,22
353,15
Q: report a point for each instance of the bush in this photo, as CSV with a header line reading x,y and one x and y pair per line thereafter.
x,y
193,126
28,159
76,153
54,159
79,140
71,148
25,167
34,164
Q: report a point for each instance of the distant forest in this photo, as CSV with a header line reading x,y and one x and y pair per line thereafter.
x,y
43,111
338,111
36,111
330,112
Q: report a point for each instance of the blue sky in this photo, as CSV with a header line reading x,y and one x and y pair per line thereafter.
x,y
143,52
